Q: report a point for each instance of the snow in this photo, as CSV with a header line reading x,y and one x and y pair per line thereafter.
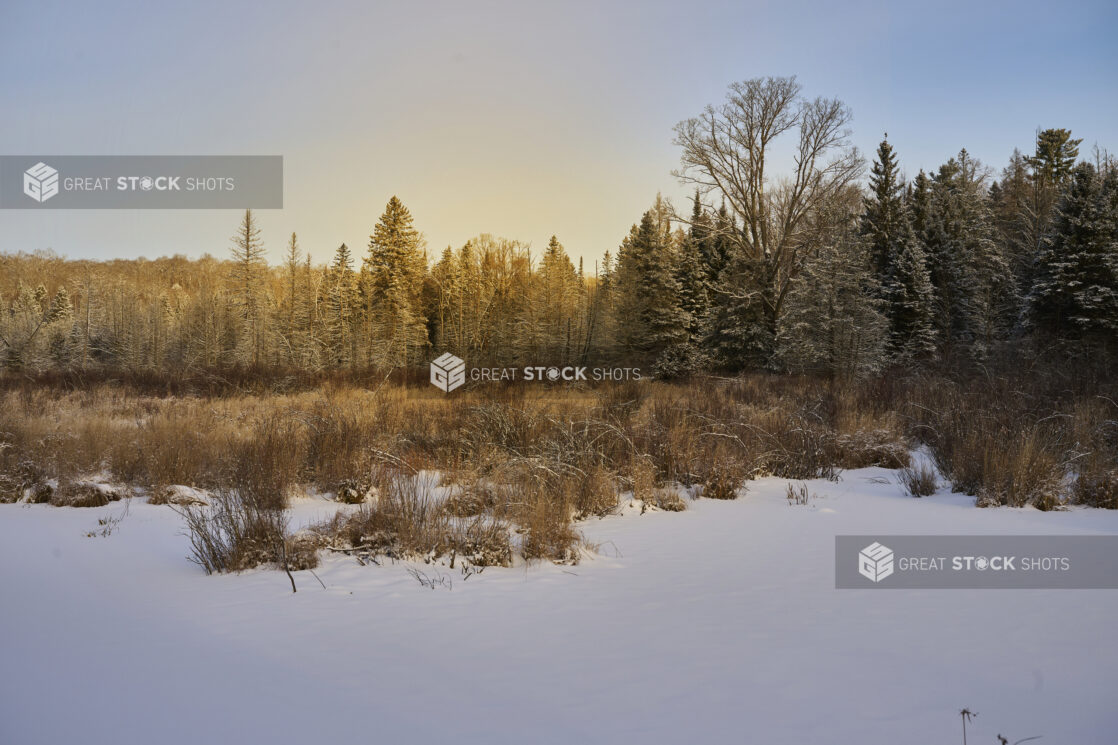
x,y
716,624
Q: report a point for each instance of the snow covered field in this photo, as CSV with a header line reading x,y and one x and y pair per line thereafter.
x,y
718,624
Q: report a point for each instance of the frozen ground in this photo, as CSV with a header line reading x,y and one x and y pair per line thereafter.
x,y
719,624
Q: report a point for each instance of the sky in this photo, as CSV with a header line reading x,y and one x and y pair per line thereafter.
x,y
518,119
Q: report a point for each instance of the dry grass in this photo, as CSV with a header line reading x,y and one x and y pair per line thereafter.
x,y
526,463
918,481
410,521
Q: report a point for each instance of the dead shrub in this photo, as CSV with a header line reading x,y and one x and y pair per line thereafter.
x,y
1021,470
1097,489
86,494
39,493
176,494
11,489
642,476
184,447
723,481
470,500
865,449
799,446
548,534
358,490
668,499
18,475
409,522
481,542
596,493
235,533
264,465
301,550
336,446
918,481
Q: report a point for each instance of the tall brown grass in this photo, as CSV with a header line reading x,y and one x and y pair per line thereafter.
x,y
532,461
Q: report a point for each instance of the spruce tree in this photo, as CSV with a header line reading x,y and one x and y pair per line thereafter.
x,y
558,297
693,280
651,323
391,285
884,220
249,266
832,321
1056,153
897,261
739,335
61,309
1075,281
341,304
975,293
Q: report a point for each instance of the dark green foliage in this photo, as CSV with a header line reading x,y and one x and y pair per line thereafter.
x,y
898,262
976,298
1075,285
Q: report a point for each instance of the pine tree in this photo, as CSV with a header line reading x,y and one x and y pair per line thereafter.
x,y
341,304
391,285
61,340
248,270
832,322
1056,153
558,298
884,219
911,305
1015,219
21,327
650,321
897,261
61,309
693,280
976,297
1075,288
739,335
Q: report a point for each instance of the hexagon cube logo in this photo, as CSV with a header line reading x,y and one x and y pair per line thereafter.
x,y
875,562
40,182
448,372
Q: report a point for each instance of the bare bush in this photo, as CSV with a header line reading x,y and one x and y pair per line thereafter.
x,y
918,481
236,533
1097,489
867,448
86,494
723,481
410,522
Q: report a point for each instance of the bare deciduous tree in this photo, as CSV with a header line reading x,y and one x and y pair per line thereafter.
x,y
728,150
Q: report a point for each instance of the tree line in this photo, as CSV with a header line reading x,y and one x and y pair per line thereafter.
x,y
779,262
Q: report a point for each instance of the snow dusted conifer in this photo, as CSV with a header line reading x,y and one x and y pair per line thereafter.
x,y
1075,277
833,322
391,285
898,261
341,306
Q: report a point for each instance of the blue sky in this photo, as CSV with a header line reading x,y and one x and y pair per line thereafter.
x,y
519,119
